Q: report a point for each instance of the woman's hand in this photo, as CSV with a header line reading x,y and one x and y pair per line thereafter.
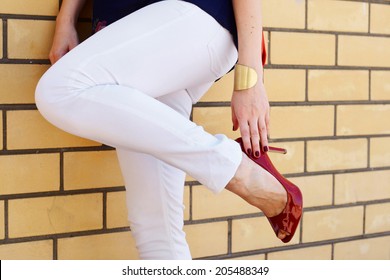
x,y
65,36
250,107
65,39
250,114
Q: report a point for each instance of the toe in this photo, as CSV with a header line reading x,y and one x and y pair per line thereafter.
x,y
282,234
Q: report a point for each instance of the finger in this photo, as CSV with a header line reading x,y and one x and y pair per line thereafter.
x,y
51,58
55,56
245,135
268,126
234,121
263,136
255,139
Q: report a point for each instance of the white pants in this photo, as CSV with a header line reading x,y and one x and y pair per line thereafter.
x,y
131,86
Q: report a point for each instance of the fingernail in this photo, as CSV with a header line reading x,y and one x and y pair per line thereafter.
x,y
249,151
266,149
257,154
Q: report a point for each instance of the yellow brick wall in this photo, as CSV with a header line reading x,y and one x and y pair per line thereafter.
x,y
328,81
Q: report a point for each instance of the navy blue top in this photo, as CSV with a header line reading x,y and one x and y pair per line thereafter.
x,y
106,12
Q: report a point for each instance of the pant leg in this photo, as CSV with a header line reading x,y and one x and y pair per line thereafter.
x,y
154,197
155,206
106,88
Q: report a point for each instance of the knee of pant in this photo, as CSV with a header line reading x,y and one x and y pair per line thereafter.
x,y
50,94
42,94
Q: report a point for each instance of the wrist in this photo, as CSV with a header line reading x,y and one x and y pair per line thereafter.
x,y
252,62
245,77
65,19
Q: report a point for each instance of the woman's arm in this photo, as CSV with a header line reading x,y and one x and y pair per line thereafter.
x,y
65,36
250,107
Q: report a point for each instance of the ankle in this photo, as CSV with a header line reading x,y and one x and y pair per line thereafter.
x,y
237,187
239,183
257,187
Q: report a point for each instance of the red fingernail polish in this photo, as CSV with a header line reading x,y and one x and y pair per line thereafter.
x,y
249,151
257,154
266,149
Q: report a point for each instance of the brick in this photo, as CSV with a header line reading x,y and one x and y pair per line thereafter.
x,y
37,7
285,85
380,85
215,120
380,19
293,161
377,218
206,205
363,51
338,16
316,190
336,154
189,178
363,119
36,250
221,90
1,130
1,39
216,242
18,82
302,48
283,13
260,257
255,234
186,203
85,170
380,152
333,223
54,215
302,121
29,130
116,210
362,186
114,246
29,173
29,39
310,253
338,85
364,249
2,222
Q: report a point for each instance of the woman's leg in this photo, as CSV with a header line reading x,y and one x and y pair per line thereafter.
x,y
154,196
106,88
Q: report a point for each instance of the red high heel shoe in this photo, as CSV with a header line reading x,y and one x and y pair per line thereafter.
x,y
289,218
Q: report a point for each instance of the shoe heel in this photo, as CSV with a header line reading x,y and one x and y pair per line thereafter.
x,y
277,150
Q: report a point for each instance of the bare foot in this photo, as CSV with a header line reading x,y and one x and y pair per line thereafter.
x,y
259,188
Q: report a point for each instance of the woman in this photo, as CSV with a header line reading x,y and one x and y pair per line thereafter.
x,y
132,85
